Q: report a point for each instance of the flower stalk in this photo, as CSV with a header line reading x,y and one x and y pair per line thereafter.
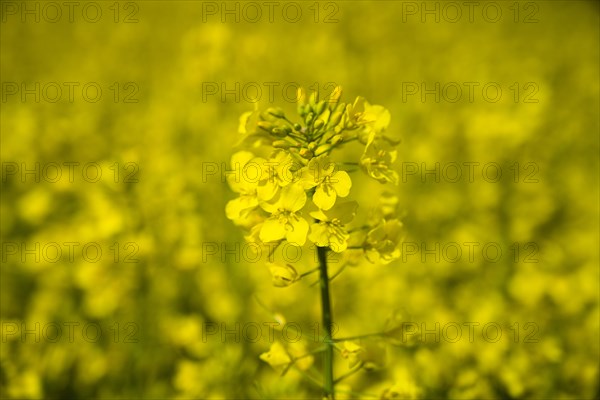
x,y
328,382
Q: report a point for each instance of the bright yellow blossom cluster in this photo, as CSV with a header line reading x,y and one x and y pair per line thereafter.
x,y
292,188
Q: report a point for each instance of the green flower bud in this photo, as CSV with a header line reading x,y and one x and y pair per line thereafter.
x,y
319,124
336,118
303,109
276,112
314,98
279,132
308,119
312,146
301,96
319,108
340,107
306,153
266,125
297,127
337,139
324,148
281,144
334,97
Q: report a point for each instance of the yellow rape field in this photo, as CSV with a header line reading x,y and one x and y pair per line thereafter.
x,y
176,175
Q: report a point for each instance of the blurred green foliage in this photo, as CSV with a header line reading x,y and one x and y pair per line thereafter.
x,y
163,302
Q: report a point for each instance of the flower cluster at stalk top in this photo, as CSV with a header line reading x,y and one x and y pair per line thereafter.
x,y
292,187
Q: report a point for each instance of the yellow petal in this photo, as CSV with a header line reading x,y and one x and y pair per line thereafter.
x,y
324,196
272,230
276,356
342,183
297,235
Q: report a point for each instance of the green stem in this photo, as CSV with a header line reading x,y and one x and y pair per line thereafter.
x,y
328,382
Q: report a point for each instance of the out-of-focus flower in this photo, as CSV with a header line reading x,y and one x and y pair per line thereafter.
x,y
383,241
282,275
377,160
238,208
277,356
371,353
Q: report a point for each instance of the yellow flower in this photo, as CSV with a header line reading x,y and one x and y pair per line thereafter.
x,y
282,275
330,230
238,209
285,220
382,242
374,119
330,183
370,352
377,160
248,121
351,351
277,356
276,173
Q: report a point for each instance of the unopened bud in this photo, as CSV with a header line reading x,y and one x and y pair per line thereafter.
x,y
319,124
319,108
276,112
281,144
297,127
337,139
266,125
301,96
306,153
335,119
312,146
283,275
314,98
335,95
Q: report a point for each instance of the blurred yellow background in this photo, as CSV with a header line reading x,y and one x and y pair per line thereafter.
x,y
116,115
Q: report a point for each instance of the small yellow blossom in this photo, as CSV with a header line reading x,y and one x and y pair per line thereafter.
x,y
282,275
285,222
377,161
329,182
330,230
382,242
277,356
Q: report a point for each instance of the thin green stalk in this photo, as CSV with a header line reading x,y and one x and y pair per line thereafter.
x,y
328,382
